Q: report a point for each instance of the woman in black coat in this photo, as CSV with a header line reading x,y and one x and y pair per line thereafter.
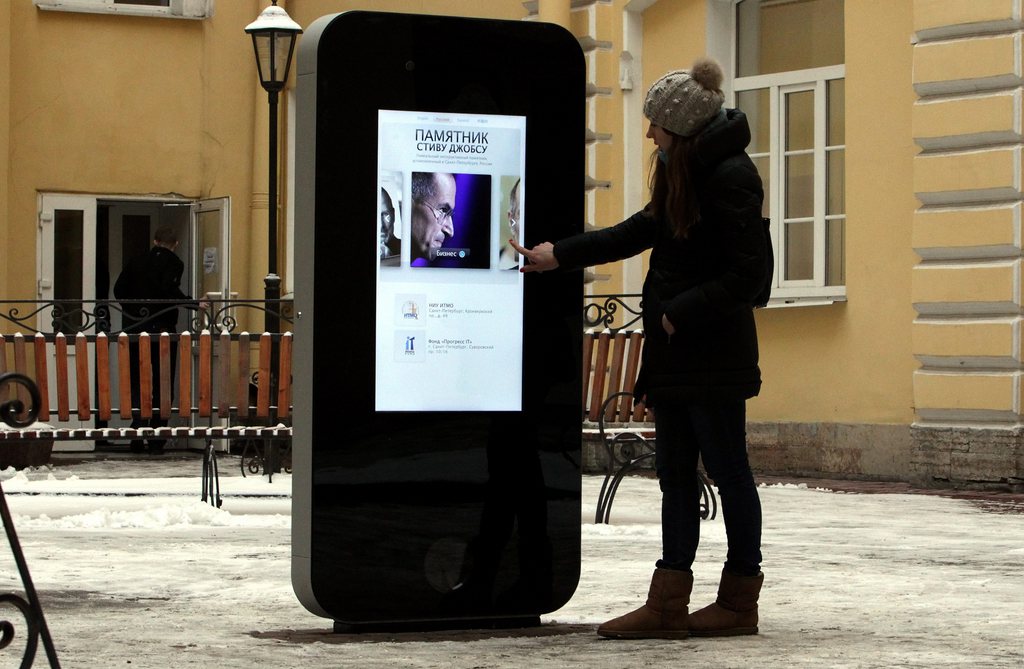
x,y
707,267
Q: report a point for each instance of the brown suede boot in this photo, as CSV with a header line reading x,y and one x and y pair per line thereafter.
x,y
735,611
664,616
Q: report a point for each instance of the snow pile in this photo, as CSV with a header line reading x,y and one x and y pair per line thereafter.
x,y
154,515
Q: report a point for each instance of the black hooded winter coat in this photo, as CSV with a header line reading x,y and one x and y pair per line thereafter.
x,y
704,283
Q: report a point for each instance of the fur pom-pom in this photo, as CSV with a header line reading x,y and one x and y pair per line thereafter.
x,y
708,74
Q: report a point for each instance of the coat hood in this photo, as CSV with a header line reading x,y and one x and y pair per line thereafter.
x,y
726,135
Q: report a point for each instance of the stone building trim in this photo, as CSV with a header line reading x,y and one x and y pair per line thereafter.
x,y
966,289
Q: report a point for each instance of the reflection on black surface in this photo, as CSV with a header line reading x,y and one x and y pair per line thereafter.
x,y
459,531
515,503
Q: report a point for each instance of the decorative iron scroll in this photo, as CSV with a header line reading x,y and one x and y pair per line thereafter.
x,y
614,312
626,451
96,316
13,410
611,311
17,414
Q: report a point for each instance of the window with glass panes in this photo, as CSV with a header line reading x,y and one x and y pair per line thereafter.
x,y
789,80
187,9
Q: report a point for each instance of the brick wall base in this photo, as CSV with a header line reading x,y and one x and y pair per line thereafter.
x,y
818,450
963,458
959,457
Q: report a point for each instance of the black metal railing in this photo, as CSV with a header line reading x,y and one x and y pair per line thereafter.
x,y
614,312
95,316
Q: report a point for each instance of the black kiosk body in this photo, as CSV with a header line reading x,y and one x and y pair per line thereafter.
x,y
436,388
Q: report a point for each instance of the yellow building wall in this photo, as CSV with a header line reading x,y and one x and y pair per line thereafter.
x,y
189,116
5,135
117,105
930,14
850,362
995,171
992,339
307,11
605,206
967,288
847,362
970,59
128,105
853,362
982,227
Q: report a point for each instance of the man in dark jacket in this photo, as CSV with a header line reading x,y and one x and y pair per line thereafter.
x,y
154,275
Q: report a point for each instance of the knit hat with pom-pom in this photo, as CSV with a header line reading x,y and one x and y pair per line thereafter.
x,y
684,101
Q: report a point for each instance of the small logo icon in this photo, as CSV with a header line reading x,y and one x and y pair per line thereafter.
x,y
410,311
410,345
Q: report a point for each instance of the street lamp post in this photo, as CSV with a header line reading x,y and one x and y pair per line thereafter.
x,y
273,39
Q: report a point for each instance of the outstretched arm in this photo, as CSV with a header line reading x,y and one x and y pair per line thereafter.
x,y
538,259
635,234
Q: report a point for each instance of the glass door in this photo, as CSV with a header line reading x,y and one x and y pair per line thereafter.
x,y
211,271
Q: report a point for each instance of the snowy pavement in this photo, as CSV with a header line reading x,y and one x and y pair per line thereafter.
x,y
134,571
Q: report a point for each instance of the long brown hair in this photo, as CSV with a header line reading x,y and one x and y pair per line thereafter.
x,y
673,195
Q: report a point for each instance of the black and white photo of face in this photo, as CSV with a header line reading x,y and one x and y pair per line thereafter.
x,y
432,223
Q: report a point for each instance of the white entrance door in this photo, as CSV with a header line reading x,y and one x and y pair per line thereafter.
x,y
84,242
211,230
66,271
211,271
67,226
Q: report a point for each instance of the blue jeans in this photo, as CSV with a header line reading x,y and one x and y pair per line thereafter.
x,y
716,433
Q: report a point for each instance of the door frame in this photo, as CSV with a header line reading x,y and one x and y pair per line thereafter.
x,y
48,203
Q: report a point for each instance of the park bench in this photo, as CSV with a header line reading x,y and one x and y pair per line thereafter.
x,y
239,389
625,430
219,400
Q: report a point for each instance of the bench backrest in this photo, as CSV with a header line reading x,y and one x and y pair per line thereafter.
x,y
611,362
221,383
218,386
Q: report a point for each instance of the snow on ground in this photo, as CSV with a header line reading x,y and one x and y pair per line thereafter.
x,y
135,571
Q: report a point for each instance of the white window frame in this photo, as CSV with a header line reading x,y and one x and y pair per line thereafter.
x,y
178,9
809,291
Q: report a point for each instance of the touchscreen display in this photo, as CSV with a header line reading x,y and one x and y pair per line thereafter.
x,y
449,328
